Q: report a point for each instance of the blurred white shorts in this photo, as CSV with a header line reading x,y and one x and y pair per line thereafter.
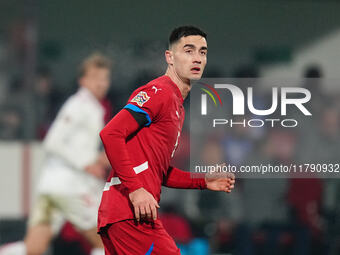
x,y
80,210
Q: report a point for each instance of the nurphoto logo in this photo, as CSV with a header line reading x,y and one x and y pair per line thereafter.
x,y
280,98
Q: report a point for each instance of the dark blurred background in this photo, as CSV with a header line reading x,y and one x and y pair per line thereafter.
x,y
43,42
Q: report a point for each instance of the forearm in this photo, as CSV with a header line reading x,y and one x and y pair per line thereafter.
x,y
103,160
180,179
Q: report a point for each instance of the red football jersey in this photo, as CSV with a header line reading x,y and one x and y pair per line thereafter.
x,y
149,150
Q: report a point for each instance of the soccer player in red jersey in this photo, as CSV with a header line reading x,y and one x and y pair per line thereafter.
x,y
140,141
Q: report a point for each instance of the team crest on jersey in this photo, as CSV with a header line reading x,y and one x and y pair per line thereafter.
x,y
141,98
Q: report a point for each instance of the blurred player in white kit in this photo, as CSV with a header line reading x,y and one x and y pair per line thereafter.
x,y
72,177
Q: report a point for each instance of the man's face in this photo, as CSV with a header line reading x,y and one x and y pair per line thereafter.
x,y
189,57
96,80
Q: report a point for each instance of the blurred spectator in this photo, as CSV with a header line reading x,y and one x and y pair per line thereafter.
x,y
176,225
71,242
304,199
321,143
237,145
314,83
314,72
179,229
11,113
42,102
221,212
108,108
265,205
10,124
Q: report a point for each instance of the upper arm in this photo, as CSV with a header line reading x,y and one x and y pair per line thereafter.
x,y
122,125
147,105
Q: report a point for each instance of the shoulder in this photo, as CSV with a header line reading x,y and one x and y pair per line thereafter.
x,y
162,83
85,102
74,105
158,88
71,102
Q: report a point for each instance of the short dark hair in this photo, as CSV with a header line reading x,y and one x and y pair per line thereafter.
x,y
184,31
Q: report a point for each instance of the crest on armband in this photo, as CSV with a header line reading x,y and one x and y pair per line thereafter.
x,y
141,98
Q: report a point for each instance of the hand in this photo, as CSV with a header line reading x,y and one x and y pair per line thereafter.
x,y
144,204
220,181
103,160
96,170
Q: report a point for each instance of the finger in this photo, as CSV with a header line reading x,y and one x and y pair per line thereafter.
x,y
154,212
229,189
221,165
232,176
227,182
137,213
157,205
148,211
229,186
142,211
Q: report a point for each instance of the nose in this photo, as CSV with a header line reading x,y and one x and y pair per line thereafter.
x,y
197,59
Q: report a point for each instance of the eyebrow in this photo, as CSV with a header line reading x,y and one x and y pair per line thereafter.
x,y
193,46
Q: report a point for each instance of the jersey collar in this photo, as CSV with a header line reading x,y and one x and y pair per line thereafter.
x,y
175,87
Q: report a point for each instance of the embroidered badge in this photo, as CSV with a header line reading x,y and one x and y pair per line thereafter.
x,y
141,98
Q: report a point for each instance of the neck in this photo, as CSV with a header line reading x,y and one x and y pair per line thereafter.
x,y
183,84
92,93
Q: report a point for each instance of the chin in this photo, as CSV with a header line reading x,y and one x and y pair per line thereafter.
x,y
195,77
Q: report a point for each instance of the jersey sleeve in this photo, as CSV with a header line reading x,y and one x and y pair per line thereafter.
x,y
179,179
146,105
114,137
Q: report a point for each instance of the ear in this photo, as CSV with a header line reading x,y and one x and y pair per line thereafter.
x,y
169,57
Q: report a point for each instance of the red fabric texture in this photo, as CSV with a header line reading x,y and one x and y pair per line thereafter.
x,y
131,238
